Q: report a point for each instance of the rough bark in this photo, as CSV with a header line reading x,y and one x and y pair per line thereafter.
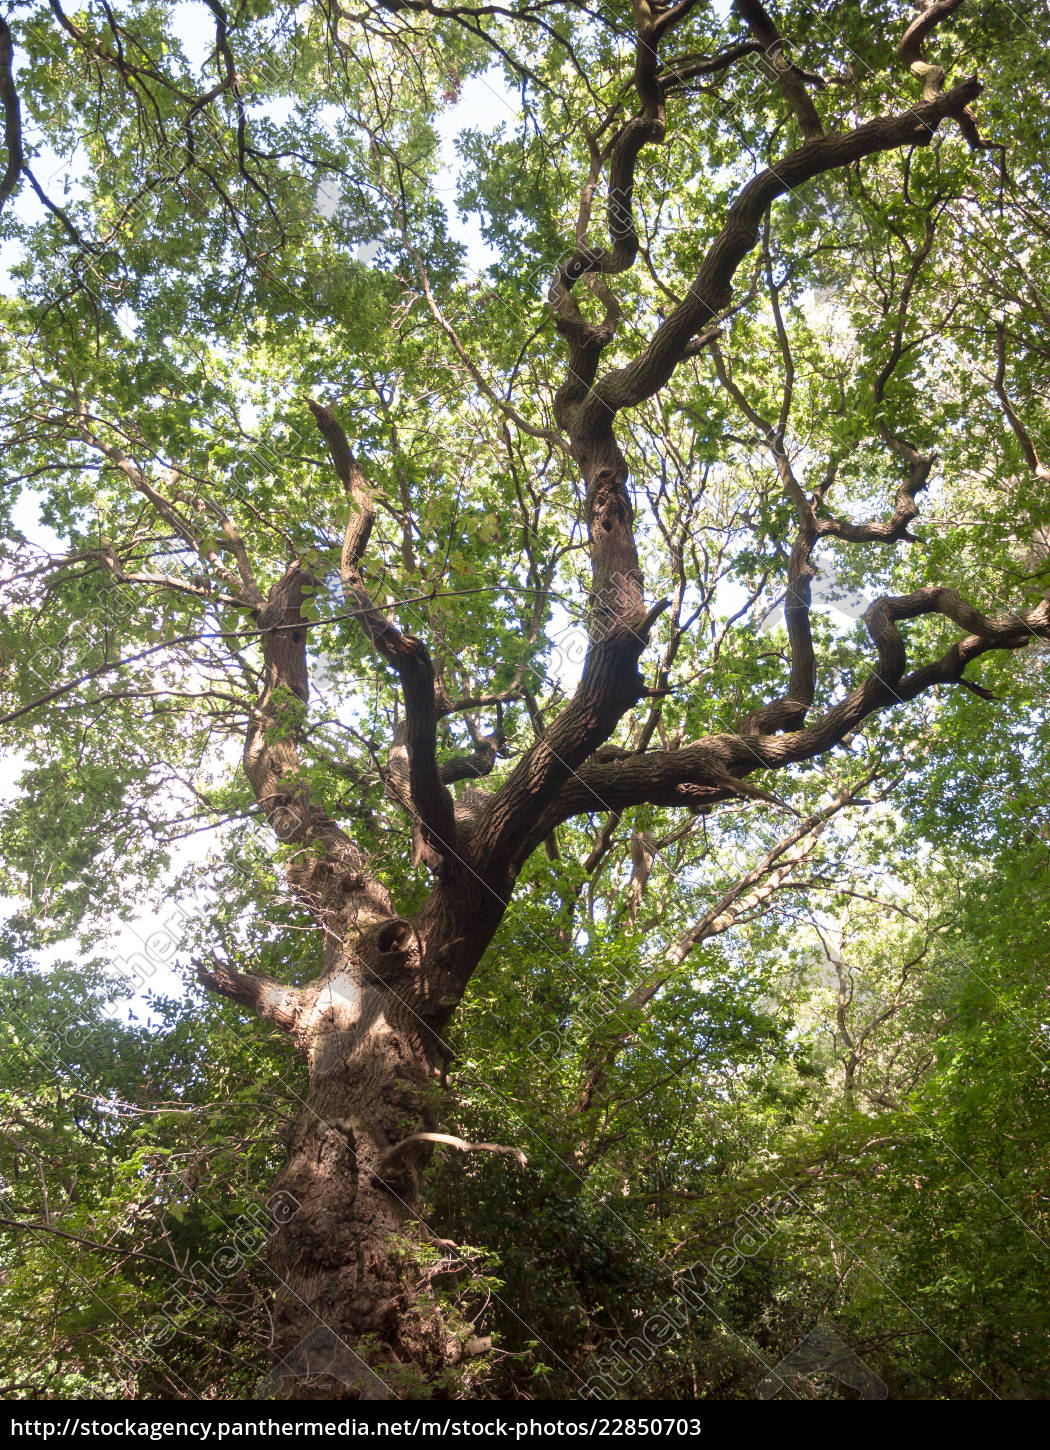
x,y
344,1260
352,1318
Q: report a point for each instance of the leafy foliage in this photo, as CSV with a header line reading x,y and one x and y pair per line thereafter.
x,y
829,984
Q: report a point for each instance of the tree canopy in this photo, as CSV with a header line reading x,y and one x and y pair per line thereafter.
x,y
527,578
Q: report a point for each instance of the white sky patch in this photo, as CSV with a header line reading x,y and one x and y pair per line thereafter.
x,y
568,636
484,103
25,517
193,25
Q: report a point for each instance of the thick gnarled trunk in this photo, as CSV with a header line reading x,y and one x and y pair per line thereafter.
x,y
350,1318
353,1317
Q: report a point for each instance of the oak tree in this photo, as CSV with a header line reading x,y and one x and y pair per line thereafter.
x,y
734,390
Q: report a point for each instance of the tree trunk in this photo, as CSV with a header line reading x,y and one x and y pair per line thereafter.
x,y
351,1317
354,1316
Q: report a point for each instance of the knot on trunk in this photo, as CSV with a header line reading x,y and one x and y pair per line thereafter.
x,y
391,953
